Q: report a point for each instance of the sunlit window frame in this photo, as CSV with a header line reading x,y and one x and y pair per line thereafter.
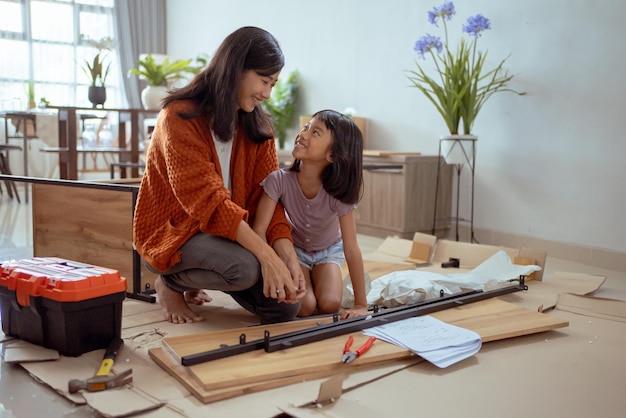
x,y
78,86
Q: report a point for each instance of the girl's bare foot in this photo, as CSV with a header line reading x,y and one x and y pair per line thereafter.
x,y
173,305
197,297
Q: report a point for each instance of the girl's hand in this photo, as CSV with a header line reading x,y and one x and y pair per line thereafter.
x,y
354,312
298,280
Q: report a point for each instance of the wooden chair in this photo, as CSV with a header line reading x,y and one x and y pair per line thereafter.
x,y
5,169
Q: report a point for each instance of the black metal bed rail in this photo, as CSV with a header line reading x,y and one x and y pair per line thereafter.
x,y
322,331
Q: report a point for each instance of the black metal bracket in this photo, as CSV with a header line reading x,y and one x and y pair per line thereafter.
x,y
452,262
323,331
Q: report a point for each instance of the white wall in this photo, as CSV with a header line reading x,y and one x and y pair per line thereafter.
x,y
550,164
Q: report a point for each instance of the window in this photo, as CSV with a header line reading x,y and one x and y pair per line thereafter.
x,y
44,45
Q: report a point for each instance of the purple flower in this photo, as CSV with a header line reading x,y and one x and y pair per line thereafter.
x,y
426,43
458,85
476,24
445,11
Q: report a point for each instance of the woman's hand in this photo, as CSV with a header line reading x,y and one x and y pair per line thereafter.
x,y
284,249
277,279
280,278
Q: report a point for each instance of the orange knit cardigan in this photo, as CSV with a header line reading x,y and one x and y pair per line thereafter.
x,y
182,191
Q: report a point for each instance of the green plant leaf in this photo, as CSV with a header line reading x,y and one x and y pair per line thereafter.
x,y
158,74
461,85
282,105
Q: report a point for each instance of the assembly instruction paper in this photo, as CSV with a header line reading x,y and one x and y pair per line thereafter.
x,y
436,341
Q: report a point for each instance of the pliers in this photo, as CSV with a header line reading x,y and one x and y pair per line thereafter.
x,y
350,356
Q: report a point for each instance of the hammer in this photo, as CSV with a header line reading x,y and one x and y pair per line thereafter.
x,y
102,380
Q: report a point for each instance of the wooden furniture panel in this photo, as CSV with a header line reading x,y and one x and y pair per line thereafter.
x,y
492,319
399,195
90,223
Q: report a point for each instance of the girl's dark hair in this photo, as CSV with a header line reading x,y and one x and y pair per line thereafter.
x,y
343,178
215,88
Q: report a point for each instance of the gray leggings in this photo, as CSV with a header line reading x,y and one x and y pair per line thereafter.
x,y
216,263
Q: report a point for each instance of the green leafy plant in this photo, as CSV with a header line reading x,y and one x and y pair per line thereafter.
x,y
282,105
158,74
31,91
97,69
199,63
462,85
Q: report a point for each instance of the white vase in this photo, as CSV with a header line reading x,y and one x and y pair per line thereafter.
x,y
151,97
458,149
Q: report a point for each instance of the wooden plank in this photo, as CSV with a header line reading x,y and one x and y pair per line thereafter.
x,y
87,225
184,345
321,356
186,378
495,319
492,319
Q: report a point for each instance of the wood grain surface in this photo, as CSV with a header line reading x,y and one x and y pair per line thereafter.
x,y
87,225
492,319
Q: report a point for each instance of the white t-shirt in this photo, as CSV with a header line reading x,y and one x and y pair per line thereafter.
x,y
224,150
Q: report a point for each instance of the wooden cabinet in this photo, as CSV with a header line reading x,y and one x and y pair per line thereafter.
x,y
399,195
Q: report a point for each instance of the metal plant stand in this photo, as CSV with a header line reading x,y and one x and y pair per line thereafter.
x,y
462,151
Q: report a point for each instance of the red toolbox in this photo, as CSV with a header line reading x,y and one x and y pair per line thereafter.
x,y
61,304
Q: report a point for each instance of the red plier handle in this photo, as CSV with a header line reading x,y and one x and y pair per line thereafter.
x,y
346,348
350,356
365,346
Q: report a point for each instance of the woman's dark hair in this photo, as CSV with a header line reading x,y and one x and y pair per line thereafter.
x,y
343,177
215,88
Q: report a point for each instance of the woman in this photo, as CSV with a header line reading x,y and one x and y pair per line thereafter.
x,y
211,147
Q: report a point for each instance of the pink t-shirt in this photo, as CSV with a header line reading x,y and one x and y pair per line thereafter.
x,y
315,221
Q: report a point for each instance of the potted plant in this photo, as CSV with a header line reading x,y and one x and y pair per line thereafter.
x,y
31,95
461,84
282,105
158,71
97,69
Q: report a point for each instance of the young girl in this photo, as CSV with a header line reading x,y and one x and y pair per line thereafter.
x,y
319,193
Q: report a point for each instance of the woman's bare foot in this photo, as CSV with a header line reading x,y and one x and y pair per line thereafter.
x,y
197,297
173,305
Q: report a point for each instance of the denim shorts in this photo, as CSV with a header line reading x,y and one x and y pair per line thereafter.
x,y
333,254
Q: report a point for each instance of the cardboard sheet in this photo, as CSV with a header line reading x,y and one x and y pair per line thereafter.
x,y
23,352
222,312
425,249
492,319
542,296
144,330
114,403
149,389
612,309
